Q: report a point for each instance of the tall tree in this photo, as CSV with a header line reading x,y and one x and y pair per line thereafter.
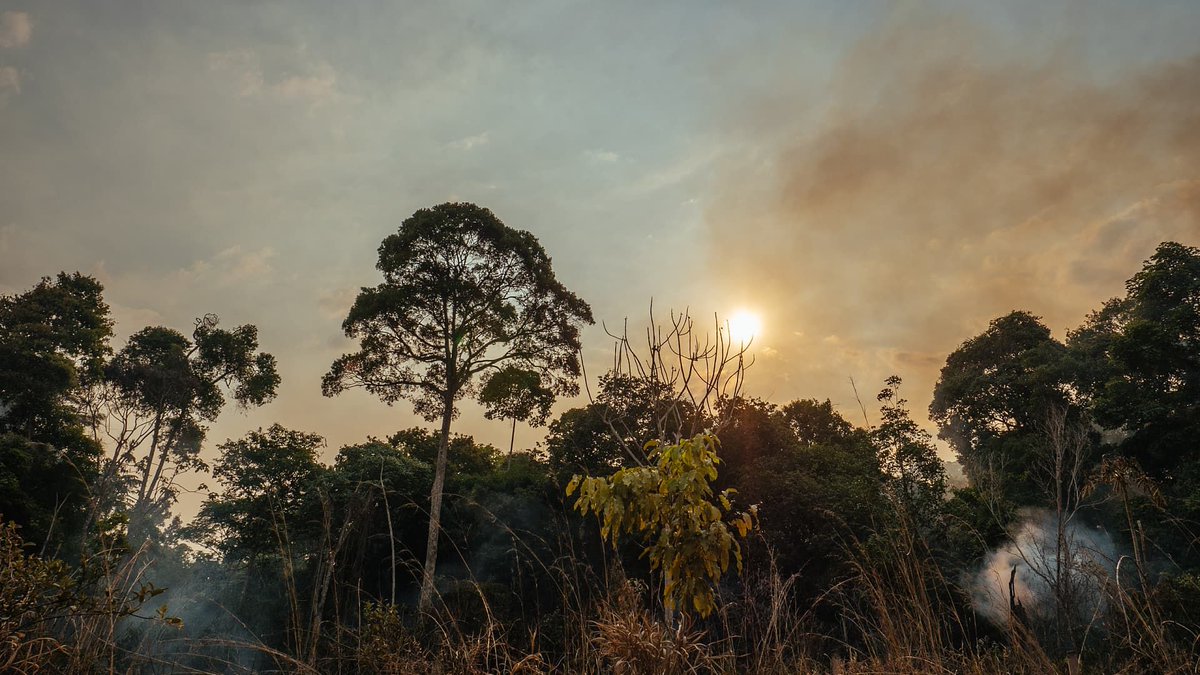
x,y
991,398
463,294
1139,360
914,474
53,339
163,389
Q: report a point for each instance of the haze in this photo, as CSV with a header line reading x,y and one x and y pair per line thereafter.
x,y
877,180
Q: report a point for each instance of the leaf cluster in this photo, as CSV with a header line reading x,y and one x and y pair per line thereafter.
x,y
687,532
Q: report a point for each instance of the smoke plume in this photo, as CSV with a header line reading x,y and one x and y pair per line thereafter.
x,y
1088,556
946,181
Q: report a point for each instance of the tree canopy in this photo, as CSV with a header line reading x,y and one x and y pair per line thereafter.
x,y
991,399
463,294
172,386
53,339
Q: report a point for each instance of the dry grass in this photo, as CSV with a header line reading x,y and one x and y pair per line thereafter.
x,y
630,641
910,618
899,615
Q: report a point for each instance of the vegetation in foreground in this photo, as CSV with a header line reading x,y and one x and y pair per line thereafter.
x,y
673,524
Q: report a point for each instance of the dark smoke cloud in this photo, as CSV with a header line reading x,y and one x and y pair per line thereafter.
x,y
946,181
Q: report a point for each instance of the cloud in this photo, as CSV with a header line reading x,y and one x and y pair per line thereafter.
x,y
317,85
948,182
10,83
336,303
16,30
10,79
130,319
232,265
601,156
245,265
243,65
471,142
680,171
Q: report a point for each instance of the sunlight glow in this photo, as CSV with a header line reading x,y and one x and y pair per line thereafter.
x,y
744,326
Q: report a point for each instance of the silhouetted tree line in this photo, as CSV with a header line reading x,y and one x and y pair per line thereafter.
x,y
426,547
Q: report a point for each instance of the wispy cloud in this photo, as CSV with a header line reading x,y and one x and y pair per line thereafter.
x,y
243,65
317,84
601,156
677,172
16,30
10,82
336,303
471,142
232,265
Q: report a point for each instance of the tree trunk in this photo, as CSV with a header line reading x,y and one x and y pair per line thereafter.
x,y
435,511
391,532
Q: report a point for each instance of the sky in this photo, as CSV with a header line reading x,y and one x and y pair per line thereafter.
x,y
877,180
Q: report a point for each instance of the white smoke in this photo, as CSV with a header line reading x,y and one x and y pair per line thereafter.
x,y
1089,557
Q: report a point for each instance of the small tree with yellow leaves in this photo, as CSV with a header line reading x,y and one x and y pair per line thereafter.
x,y
670,506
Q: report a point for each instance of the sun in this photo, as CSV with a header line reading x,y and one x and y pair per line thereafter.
x,y
744,326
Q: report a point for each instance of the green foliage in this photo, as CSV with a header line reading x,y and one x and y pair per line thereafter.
x,y
172,386
53,338
641,409
269,481
386,645
580,441
1137,364
670,507
816,423
992,397
161,369
611,431
513,393
1141,360
396,488
39,595
33,590
400,472
751,429
42,489
971,525
817,481
464,456
462,294
814,498
914,473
